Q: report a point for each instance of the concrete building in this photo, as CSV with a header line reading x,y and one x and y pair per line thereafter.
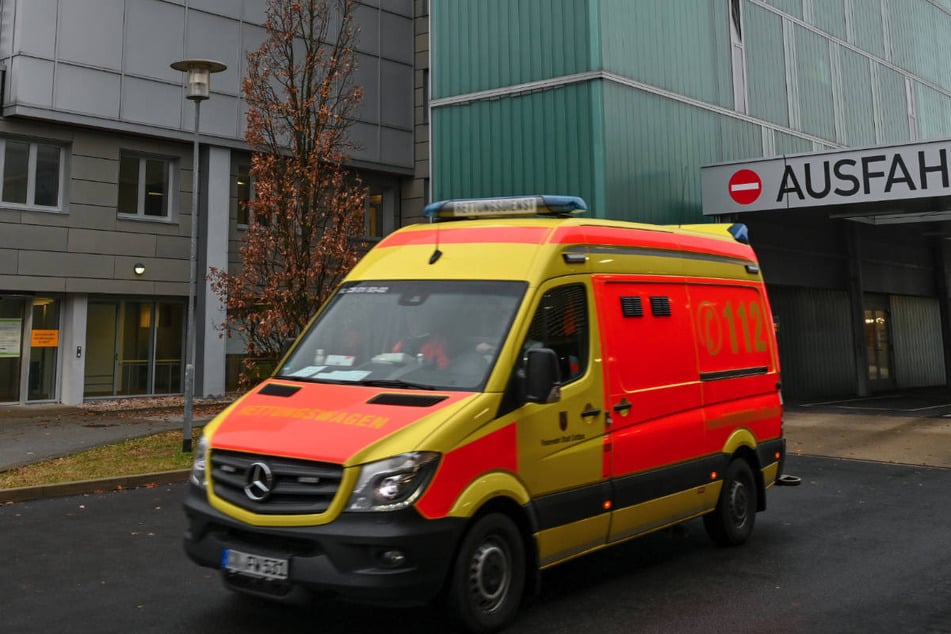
x,y
95,196
649,110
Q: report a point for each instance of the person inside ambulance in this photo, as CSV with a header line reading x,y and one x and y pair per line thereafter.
x,y
425,341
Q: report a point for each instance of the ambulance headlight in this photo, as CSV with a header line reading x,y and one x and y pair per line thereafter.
x,y
198,464
394,483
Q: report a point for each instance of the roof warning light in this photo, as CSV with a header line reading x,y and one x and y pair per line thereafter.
x,y
505,207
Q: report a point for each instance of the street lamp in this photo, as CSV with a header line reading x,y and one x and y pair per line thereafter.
x,y
197,88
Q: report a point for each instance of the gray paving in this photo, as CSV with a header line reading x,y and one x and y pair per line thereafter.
x,y
30,434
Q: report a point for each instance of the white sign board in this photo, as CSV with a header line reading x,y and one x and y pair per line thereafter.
x,y
10,330
893,173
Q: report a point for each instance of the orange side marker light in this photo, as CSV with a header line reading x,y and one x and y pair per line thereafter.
x,y
713,475
607,505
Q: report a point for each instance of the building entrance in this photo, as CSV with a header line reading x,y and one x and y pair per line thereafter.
x,y
29,348
133,348
878,346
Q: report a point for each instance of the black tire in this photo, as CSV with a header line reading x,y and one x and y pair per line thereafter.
x,y
731,523
488,576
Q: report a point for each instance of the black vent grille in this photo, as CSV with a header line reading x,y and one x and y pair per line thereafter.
x,y
406,400
632,307
298,487
277,389
660,306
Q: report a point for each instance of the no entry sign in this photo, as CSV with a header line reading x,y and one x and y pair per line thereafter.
x,y
745,186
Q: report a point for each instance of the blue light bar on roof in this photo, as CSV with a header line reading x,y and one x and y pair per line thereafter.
x,y
740,232
505,207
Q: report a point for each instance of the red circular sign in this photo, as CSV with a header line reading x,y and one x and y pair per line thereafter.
x,y
745,186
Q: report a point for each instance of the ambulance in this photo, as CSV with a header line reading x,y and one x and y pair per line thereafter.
x,y
491,394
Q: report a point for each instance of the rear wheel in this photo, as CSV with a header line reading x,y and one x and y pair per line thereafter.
x,y
488,576
731,523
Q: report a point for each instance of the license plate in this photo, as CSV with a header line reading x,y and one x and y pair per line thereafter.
x,y
254,565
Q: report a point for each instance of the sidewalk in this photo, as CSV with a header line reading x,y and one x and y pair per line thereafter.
x,y
906,429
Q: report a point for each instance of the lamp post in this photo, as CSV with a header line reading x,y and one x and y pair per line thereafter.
x,y
197,89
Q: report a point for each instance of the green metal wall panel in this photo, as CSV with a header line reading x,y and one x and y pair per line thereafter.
x,y
919,33
829,15
893,106
765,65
816,110
790,144
541,142
792,7
654,148
859,122
491,43
637,42
868,27
934,113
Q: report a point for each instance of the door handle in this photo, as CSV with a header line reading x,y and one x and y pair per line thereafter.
x,y
590,412
623,407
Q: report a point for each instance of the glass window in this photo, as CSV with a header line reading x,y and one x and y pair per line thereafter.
x,y
422,334
16,171
561,323
144,187
31,173
242,192
156,188
47,175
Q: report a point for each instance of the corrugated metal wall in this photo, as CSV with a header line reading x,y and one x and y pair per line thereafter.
x,y
636,43
815,341
816,106
916,341
491,43
856,88
765,65
654,151
536,143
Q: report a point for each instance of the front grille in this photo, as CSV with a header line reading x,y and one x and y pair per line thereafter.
x,y
297,487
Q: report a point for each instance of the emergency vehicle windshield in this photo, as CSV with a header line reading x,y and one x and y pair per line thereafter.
x,y
412,334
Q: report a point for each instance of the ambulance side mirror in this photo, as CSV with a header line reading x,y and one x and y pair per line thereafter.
x,y
542,376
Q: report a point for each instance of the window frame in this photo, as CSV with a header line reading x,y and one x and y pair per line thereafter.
x,y
32,174
170,181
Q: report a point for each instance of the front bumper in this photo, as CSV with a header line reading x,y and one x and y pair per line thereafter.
x,y
342,558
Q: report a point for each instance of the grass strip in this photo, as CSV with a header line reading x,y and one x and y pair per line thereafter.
x,y
136,456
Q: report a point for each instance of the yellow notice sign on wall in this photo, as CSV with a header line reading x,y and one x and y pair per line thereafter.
x,y
45,339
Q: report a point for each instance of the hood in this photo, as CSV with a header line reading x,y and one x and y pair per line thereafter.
x,y
324,422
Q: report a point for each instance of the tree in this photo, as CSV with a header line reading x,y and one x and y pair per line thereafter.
x,y
307,212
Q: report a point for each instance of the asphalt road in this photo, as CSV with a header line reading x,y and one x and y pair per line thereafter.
x,y
859,547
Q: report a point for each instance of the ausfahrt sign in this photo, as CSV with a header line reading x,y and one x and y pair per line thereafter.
x,y
900,172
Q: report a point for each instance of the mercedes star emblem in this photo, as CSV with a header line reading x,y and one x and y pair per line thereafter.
x,y
260,482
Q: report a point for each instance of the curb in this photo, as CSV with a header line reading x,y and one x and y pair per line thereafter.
x,y
85,487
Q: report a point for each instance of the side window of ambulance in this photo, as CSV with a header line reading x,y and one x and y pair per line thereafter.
x,y
561,323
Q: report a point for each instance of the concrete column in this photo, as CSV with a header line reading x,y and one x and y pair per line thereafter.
x,y
213,246
73,348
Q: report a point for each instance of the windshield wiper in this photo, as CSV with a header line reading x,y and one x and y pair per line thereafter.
x,y
406,385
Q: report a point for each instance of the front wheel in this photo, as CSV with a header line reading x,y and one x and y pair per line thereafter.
x,y
488,576
731,523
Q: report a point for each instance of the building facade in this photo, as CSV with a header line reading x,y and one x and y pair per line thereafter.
x,y
627,103
95,197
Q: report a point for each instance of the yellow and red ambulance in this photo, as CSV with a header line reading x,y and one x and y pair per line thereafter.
x,y
602,380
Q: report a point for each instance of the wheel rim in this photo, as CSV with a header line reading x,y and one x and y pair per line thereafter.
x,y
739,504
490,575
